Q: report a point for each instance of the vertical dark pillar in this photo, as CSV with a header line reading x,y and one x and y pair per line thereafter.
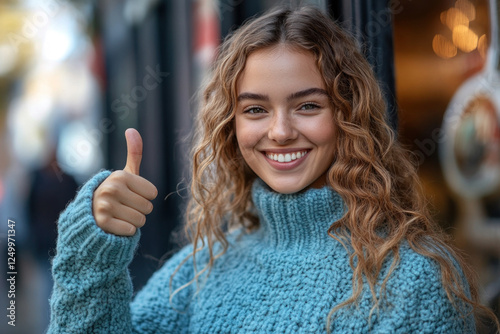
x,y
234,12
152,80
162,52
371,22
147,87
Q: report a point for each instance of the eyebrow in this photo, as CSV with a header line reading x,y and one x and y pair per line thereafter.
x,y
307,92
293,96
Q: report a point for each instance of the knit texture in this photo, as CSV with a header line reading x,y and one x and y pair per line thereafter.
x,y
283,278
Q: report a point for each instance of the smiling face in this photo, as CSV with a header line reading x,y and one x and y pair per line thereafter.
x,y
284,121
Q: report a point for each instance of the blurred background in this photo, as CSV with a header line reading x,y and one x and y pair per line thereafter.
x,y
75,74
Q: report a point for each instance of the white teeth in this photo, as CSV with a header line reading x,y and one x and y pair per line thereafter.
x,y
288,157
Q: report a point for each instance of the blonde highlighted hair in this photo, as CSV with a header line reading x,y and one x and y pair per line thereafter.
x,y
371,171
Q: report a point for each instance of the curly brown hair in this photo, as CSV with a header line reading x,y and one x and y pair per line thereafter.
x,y
372,172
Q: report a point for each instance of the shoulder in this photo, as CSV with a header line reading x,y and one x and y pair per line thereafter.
x,y
416,289
419,269
414,266
173,274
180,262
420,275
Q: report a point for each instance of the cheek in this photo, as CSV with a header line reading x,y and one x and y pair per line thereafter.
x,y
322,133
325,138
246,134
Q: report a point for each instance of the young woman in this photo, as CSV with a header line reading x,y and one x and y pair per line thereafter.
x,y
305,215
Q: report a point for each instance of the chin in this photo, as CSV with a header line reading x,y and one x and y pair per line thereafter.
x,y
284,188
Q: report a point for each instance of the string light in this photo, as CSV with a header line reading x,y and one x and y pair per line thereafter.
x,y
466,8
454,17
482,45
443,47
463,38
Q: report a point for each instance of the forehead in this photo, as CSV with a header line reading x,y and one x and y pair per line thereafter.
x,y
280,67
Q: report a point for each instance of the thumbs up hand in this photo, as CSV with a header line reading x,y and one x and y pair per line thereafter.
x,y
121,203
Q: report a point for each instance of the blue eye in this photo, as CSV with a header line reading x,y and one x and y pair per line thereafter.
x,y
309,106
254,110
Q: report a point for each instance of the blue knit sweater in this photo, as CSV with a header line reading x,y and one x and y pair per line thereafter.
x,y
283,278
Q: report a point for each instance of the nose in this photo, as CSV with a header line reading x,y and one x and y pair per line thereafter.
x,y
282,129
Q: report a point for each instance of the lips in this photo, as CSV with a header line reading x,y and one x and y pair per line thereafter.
x,y
286,160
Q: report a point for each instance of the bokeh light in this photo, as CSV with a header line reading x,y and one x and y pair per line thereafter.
x,y
482,45
467,8
443,47
454,17
464,38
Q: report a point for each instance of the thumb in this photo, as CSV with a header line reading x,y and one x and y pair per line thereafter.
x,y
134,151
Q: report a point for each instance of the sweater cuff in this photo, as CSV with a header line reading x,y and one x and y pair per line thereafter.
x,y
79,235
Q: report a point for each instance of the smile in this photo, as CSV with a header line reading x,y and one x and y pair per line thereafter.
x,y
286,157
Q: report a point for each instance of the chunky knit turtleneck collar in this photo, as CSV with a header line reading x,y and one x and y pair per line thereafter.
x,y
296,221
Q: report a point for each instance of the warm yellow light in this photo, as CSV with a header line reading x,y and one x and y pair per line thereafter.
x,y
443,47
443,16
15,48
466,8
455,17
482,45
464,38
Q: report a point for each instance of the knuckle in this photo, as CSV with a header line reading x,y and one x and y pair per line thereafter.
x,y
120,175
103,221
110,189
104,207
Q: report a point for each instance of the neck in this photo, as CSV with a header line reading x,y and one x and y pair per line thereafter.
x,y
297,221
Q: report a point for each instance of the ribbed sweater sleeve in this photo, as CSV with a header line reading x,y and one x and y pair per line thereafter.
x,y
92,286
